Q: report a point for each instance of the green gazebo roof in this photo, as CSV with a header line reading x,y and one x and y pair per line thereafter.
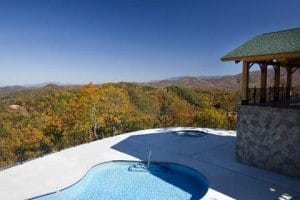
x,y
281,42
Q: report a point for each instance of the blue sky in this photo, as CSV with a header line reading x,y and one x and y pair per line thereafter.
x,y
72,41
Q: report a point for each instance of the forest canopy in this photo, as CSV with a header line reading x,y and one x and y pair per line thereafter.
x,y
34,122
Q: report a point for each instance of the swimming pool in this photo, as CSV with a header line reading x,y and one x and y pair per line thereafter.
x,y
133,180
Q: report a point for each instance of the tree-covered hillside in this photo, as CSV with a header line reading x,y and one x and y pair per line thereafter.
x,y
38,121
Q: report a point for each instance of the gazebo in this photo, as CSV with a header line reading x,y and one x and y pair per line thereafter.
x,y
268,131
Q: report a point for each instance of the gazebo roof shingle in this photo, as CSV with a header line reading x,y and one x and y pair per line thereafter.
x,y
268,44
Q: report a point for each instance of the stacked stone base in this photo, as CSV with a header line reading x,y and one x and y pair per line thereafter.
x,y
269,138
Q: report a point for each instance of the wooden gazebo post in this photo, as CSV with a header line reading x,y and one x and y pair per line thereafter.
x,y
245,86
263,82
276,82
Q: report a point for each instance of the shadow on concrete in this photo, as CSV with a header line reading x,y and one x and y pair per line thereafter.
x,y
214,156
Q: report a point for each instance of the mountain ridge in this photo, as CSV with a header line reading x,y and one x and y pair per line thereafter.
x,y
227,82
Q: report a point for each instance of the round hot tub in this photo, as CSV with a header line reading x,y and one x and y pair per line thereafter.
x,y
190,133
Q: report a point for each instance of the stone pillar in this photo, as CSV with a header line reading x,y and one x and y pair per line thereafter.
x,y
276,82
245,86
269,138
263,83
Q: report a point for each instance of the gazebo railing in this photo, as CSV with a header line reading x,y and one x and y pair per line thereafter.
x,y
278,96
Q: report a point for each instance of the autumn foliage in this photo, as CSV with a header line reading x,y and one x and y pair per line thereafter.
x,y
53,118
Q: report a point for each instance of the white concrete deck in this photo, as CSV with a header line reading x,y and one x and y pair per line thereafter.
x,y
212,155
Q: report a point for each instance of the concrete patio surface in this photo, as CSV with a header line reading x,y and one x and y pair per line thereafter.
x,y
213,155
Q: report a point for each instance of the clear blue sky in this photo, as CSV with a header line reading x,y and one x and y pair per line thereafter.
x,y
71,41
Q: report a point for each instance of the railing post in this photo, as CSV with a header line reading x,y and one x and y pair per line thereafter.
x,y
254,95
288,82
270,94
276,94
282,91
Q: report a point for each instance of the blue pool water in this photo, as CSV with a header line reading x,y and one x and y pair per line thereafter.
x,y
131,180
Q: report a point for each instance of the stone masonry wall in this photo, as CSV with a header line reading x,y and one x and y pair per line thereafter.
x,y
269,137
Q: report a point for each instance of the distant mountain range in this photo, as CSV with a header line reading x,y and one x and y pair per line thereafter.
x,y
47,86
8,89
229,82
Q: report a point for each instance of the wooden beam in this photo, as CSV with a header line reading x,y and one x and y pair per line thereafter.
x,y
280,63
263,82
245,86
293,60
